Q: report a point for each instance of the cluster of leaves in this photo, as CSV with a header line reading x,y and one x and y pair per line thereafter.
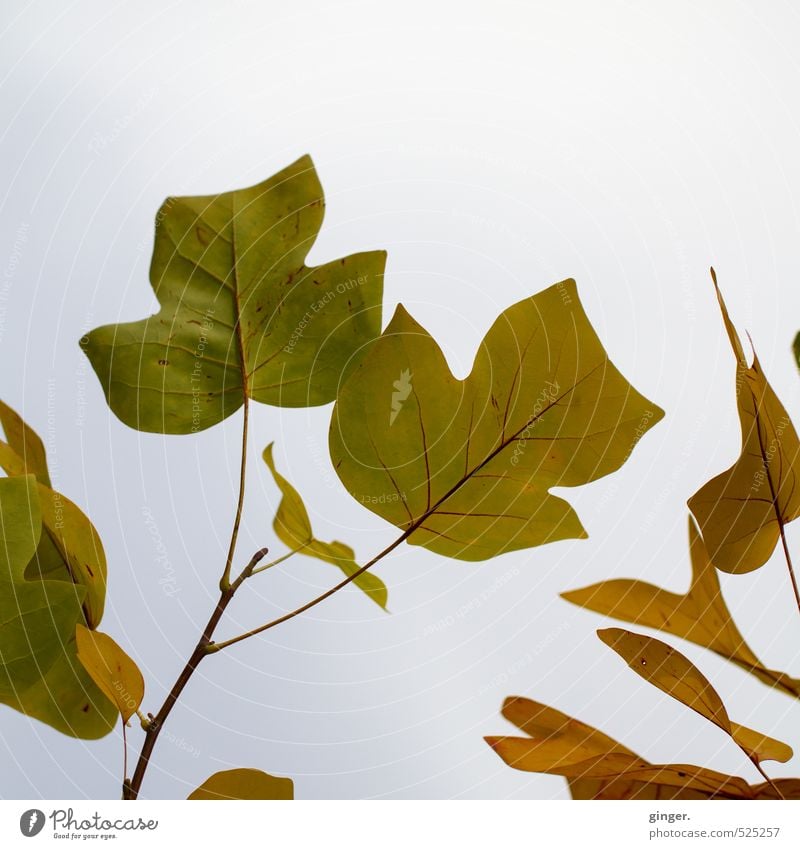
x,y
741,514
463,468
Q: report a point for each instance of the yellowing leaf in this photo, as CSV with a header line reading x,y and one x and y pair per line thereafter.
x,y
293,528
700,615
111,669
70,548
759,747
25,444
241,314
464,467
596,765
244,784
672,673
39,606
742,510
554,739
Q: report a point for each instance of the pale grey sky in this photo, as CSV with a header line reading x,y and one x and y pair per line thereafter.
x,y
492,149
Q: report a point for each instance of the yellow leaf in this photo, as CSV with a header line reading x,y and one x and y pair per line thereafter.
x,y
700,616
741,512
596,765
111,669
293,528
666,668
465,468
670,671
244,784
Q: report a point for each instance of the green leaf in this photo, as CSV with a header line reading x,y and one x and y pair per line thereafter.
x,y
114,672
25,444
667,669
741,512
241,314
464,467
700,616
293,528
39,673
243,784
70,548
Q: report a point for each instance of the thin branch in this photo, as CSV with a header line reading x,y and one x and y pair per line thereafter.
x,y
224,583
200,651
212,648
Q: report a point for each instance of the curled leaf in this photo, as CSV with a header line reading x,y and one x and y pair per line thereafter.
x,y
596,765
70,548
241,314
673,674
293,528
244,784
700,616
39,672
741,512
465,467
114,672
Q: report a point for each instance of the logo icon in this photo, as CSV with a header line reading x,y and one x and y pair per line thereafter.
x,y
402,389
31,822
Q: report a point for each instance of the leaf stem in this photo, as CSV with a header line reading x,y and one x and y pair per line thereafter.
x,y
131,789
212,648
275,562
769,781
225,581
789,564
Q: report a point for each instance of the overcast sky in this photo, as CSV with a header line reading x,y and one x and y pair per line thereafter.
x,y
492,149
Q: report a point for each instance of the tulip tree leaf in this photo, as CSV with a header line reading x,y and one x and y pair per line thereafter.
x,y
114,672
293,528
241,314
69,547
598,767
25,443
39,672
741,512
464,467
700,616
672,673
244,784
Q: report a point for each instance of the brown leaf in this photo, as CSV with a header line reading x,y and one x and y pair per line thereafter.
x,y
243,784
700,616
741,512
667,669
116,674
